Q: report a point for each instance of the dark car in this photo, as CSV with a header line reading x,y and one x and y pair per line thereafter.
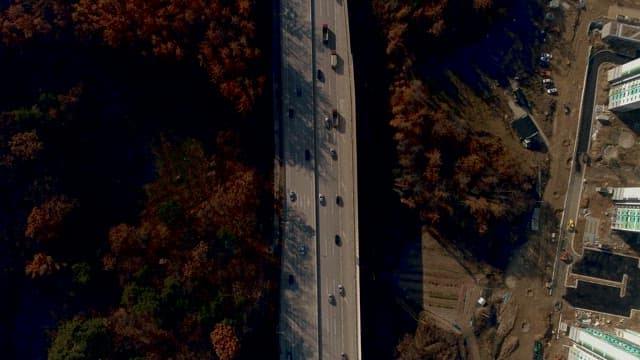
x,y
291,279
319,75
292,196
338,240
339,200
334,154
325,33
322,199
307,155
335,118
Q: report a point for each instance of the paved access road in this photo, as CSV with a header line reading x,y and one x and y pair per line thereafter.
x,y
576,175
312,327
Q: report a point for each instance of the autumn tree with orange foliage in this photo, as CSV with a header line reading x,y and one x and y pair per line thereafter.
x,y
46,221
445,168
41,265
225,342
196,257
221,34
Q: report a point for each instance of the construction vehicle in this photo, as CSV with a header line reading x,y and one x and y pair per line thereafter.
x,y
572,226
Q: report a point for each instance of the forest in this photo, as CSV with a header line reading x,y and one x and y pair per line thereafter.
x,y
461,179
136,222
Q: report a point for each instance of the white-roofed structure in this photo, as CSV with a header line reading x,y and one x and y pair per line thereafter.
x,y
625,71
629,335
593,344
627,195
626,218
625,96
579,353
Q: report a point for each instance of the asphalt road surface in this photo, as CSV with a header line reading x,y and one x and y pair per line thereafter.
x,y
315,264
576,176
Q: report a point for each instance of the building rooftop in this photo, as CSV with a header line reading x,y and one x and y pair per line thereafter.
x,y
618,343
626,219
624,71
621,31
625,95
626,194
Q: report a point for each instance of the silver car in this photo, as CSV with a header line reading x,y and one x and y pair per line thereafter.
x,y
322,199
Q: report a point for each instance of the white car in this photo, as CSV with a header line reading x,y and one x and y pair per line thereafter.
x,y
552,91
322,199
341,290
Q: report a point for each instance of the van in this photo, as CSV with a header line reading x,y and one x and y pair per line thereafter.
x,y
334,59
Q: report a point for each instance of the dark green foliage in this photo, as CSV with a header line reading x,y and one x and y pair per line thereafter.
x,y
25,114
141,300
171,212
80,339
81,273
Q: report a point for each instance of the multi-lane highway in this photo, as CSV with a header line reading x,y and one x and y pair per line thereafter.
x,y
318,320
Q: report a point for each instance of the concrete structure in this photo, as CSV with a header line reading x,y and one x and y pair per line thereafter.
x,y
625,96
579,353
594,344
618,32
626,218
626,195
627,71
629,335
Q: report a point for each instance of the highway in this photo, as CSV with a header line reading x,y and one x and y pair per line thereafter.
x,y
319,238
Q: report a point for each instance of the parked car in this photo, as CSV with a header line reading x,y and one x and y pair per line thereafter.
x,y
339,201
292,196
307,154
343,356
327,122
341,290
322,199
334,154
336,118
552,91
325,33
302,249
338,240
332,299
334,59
291,279
319,75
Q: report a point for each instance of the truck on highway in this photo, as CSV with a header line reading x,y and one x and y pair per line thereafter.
x,y
334,59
